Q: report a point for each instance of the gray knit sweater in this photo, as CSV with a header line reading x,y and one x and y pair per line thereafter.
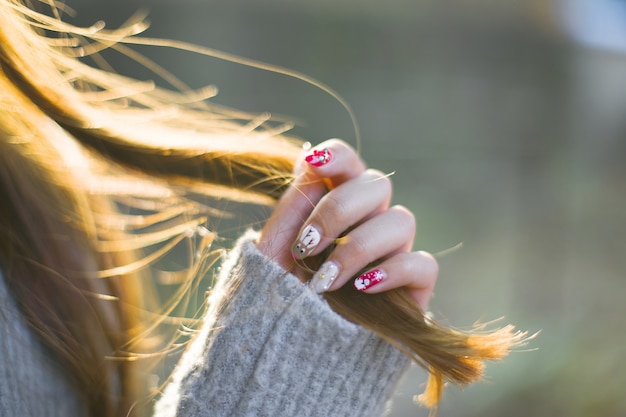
x,y
269,346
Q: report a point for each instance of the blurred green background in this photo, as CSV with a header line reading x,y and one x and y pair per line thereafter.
x,y
504,122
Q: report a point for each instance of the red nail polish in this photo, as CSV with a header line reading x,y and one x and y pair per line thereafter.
x,y
318,157
369,279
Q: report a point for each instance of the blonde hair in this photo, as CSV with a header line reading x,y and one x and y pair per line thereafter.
x,y
74,140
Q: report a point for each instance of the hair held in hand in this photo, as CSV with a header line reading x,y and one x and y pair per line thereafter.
x,y
448,355
75,142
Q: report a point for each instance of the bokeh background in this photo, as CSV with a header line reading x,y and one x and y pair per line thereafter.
x,y
504,122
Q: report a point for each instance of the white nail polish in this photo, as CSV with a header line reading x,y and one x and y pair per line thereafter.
x,y
323,279
306,243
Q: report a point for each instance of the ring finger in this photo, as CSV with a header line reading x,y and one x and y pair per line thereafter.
x,y
378,238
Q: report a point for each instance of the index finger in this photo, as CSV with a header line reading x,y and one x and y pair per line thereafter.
x,y
335,160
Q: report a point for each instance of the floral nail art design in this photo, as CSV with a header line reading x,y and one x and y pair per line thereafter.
x,y
369,279
308,240
324,277
318,157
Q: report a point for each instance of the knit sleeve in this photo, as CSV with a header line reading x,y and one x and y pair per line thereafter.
x,y
270,346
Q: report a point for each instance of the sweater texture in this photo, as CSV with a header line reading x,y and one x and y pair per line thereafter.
x,y
269,346
32,382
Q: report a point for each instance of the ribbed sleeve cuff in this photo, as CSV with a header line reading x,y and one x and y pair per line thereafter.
x,y
272,347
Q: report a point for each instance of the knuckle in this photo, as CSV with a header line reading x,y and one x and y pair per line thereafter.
x,y
381,179
429,267
333,207
354,249
405,216
358,246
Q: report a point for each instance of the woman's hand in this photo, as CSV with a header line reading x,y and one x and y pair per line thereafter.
x,y
336,201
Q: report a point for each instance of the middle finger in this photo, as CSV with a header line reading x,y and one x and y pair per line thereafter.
x,y
341,209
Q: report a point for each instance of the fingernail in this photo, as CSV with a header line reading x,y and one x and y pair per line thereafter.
x,y
369,279
324,278
318,157
306,243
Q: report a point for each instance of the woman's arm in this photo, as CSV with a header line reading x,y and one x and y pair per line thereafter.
x,y
337,203
270,345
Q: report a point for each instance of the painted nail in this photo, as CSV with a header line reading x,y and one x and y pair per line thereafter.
x,y
324,278
306,243
369,279
318,157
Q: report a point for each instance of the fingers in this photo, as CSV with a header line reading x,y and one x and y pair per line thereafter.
x,y
334,199
386,238
335,160
330,164
374,240
342,208
417,271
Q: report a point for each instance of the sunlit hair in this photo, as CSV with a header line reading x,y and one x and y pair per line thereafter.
x,y
101,176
